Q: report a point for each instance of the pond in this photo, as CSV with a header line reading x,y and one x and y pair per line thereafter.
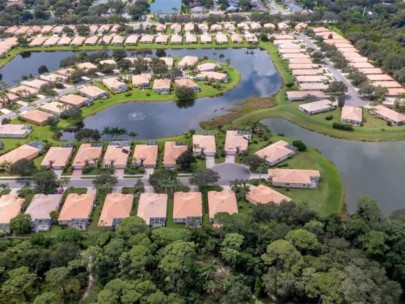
x,y
373,169
161,119
165,6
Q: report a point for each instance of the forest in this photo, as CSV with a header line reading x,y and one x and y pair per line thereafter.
x,y
276,254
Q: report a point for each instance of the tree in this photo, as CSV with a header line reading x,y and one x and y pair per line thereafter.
x,y
337,87
18,285
341,100
204,178
119,54
43,69
47,298
52,121
185,160
299,145
57,278
83,30
71,112
160,53
254,162
238,293
185,94
303,239
21,224
230,248
23,167
46,182
87,135
163,180
105,182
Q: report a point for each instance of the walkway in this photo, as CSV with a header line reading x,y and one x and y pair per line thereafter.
x,y
353,97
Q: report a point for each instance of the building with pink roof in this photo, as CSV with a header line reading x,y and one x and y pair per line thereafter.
x,y
221,202
276,153
36,117
74,100
145,156
189,83
57,157
352,115
204,145
40,208
117,155
87,156
263,195
388,115
117,206
172,151
10,207
76,210
187,208
236,141
294,178
152,208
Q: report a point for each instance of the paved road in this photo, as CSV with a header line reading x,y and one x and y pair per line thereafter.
x,y
229,172
353,97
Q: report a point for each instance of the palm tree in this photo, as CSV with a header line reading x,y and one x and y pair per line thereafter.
x,y
208,269
132,134
106,131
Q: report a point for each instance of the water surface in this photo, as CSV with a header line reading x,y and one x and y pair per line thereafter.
x,y
165,6
373,169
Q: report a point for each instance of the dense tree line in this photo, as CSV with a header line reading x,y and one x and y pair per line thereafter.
x,y
284,254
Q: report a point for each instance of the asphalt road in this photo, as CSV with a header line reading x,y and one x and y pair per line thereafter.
x,y
353,97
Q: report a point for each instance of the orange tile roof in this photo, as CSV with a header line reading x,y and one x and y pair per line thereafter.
x,y
263,195
222,201
24,151
204,143
352,113
73,100
152,205
77,206
117,155
235,141
292,176
146,154
172,152
187,204
42,205
87,153
116,206
36,116
58,156
10,207
275,151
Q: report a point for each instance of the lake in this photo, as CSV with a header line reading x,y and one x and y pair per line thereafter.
x,y
373,169
165,6
259,78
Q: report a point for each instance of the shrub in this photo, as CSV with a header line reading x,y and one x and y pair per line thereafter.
x,y
342,126
329,117
299,145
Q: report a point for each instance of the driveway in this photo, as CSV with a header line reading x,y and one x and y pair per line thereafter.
x,y
229,172
119,173
209,162
77,174
353,97
230,159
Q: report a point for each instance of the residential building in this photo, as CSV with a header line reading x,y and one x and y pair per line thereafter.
x,y
186,82
146,39
141,81
172,151
152,208
74,100
131,40
52,78
10,207
215,76
277,152
22,152
85,66
316,107
57,157
169,61
54,107
109,62
352,115
390,116
187,208
190,39
115,85
162,86
204,145
93,92
314,86
303,95
162,39
117,40
14,131
236,141
88,155
221,202
236,38
263,195
221,39
176,39
24,91
78,41
76,210
117,206
36,117
187,61
117,155
208,67
145,155
294,178
34,83
40,208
